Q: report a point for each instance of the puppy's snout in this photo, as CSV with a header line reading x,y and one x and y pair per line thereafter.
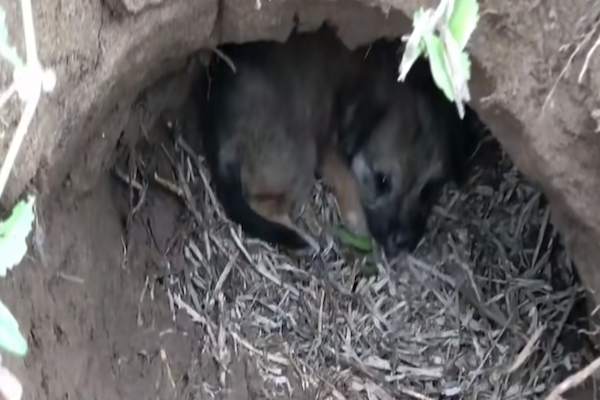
x,y
400,241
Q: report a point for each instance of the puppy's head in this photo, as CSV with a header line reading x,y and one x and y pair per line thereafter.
x,y
402,164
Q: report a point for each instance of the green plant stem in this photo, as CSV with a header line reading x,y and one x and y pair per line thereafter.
x,y
33,64
29,30
17,140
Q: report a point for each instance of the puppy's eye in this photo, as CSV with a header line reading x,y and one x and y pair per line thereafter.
x,y
383,184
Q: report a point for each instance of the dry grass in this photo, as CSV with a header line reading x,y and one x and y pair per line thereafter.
x,y
476,313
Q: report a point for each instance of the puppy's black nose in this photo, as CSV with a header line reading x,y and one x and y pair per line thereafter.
x,y
399,242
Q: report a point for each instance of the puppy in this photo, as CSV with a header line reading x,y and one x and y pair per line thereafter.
x,y
403,141
271,125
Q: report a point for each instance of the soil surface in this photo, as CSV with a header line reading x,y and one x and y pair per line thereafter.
x,y
96,310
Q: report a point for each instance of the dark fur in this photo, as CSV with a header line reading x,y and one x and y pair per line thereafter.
x,y
269,118
228,187
404,141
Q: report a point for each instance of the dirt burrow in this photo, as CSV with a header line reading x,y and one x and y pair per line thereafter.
x,y
95,329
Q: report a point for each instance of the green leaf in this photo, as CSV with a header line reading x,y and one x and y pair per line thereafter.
x,y
450,65
362,243
8,52
369,269
13,234
463,21
465,61
435,52
10,337
414,46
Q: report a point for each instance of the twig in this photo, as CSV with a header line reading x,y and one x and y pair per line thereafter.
x,y
169,185
574,380
225,58
580,46
587,59
15,144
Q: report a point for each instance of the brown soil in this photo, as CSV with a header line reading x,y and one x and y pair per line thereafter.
x,y
96,311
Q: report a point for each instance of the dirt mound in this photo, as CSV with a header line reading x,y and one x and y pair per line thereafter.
x,y
92,299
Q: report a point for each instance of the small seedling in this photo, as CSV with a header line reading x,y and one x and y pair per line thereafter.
x,y
10,338
29,80
442,35
13,234
13,247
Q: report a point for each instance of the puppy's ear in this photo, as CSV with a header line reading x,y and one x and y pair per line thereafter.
x,y
463,135
357,115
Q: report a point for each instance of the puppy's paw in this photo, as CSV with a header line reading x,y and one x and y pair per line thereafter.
x,y
355,222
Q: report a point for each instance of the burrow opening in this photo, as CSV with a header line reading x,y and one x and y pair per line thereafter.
x,y
149,291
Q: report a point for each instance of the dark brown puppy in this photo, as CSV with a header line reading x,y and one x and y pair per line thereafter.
x,y
404,142
270,126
